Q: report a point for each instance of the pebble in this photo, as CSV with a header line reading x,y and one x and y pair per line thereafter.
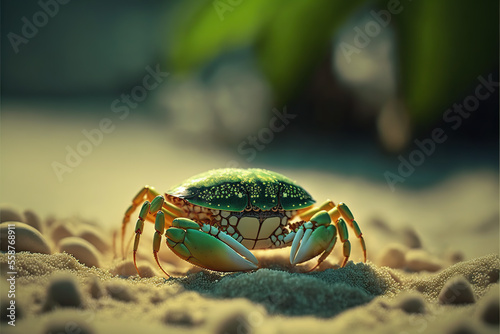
x,y
67,325
93,235
60,231
234,324
454,257
120,291
392,256
457,291
147,270
32,219
420,260
493,275
186,318
411,303
63,291
381,225
50,220
124,268
490,309
96,289
8,214
461,328
411,238
27,238
81,249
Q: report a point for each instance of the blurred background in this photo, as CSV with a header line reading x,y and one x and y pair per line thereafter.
x,y
101,98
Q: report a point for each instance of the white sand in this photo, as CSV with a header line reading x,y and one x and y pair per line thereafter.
x,y
57,292
453,225
265,301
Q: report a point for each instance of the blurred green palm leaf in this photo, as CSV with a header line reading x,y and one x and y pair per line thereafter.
x,y
444,46
299,38
207,29
289,36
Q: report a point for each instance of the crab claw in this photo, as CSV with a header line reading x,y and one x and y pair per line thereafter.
x,y
309,243
207,251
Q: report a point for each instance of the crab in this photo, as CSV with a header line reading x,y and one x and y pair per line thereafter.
x,y
214,219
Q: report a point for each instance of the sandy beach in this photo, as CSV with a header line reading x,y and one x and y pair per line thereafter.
x,y
57,293
432,252
70,278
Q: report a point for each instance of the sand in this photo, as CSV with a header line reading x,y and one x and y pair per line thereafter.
x,y
82,286
432,251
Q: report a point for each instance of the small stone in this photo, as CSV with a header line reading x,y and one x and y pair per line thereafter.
x,y
124,268
147,270
411,303
32,219
457,291
96,290
81,249
234,324
63,291
26,238
461,328
493,275
455,257
419,260
9,214
67,325
381,225
94,236
411,238
50,220
119,291
490,309
60,231
180,317
392,256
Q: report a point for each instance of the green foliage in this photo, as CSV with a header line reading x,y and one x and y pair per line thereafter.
x,y
206,30
297,40
289,36
443,45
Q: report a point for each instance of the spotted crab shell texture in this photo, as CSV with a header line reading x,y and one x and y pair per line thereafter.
x,y
233,189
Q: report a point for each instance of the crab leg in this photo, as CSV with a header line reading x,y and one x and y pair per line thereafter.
x,y
208,248
326,205
342,210
139,228
147,193
344,238
148,210
159,228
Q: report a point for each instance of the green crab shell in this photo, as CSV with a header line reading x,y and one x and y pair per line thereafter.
x,y
232,189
